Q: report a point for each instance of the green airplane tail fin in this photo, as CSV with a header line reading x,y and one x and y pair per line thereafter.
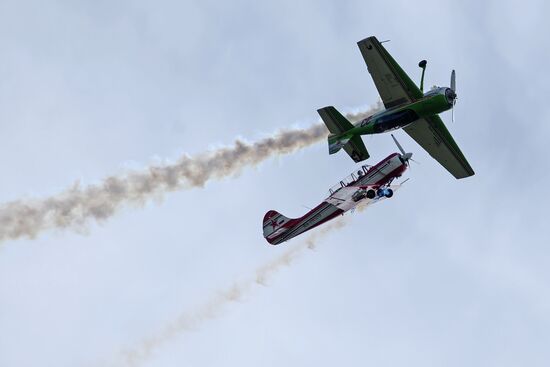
x,y
337,142
339,138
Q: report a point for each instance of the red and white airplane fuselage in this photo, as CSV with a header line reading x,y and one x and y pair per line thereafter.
x,y
367,186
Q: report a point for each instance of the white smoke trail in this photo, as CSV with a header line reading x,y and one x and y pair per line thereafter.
x,y
75,207
191,320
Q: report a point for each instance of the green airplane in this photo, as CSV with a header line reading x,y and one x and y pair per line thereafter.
x,y
407,107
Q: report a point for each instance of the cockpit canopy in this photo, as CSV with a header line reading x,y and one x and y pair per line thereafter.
x,y
350,179
434,91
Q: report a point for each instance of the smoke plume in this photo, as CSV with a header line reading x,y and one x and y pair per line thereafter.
x,y
77,206
191,320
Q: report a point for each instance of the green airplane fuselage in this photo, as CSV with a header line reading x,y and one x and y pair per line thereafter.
x,y
434,102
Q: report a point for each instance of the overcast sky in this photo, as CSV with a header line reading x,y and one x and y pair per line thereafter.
x,y
447,272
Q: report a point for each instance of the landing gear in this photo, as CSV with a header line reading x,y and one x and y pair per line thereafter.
x,y
387,192
371,194
359,195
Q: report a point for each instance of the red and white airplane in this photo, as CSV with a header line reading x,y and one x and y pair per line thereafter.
x,y
369,185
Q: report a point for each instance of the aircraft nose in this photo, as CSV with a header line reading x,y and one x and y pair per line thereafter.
x,y
450,94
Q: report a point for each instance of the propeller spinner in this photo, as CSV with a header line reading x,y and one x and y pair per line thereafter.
x,y
404,156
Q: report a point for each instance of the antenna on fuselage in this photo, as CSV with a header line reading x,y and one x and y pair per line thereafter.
x,y
422,64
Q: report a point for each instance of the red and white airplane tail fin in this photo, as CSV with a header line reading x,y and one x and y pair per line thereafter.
x,y
273,222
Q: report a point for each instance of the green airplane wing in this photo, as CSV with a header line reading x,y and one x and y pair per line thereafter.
x,y
396,88
432,135
393,84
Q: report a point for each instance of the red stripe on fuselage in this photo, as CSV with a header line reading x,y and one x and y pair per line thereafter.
x,y
296,222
